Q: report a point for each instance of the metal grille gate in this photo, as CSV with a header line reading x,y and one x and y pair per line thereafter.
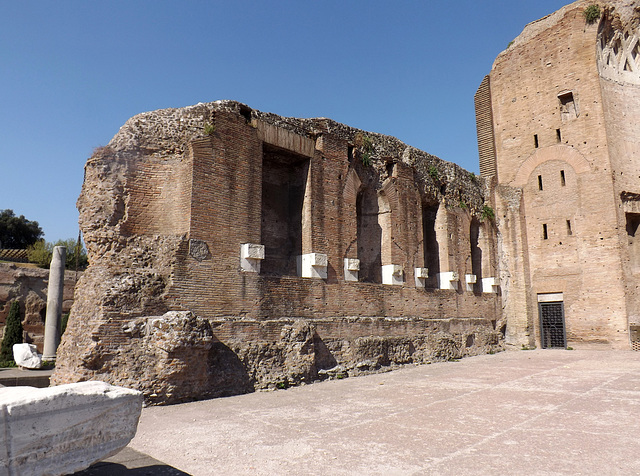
x,y
552,332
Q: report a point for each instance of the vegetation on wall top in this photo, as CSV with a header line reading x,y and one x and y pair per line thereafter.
x,y
592,13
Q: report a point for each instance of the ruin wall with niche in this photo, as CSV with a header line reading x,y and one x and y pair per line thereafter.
x,y
166,211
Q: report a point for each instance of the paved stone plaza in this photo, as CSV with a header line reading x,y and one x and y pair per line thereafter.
x,y
524,412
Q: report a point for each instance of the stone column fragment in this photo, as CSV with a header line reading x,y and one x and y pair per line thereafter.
x,y
54,303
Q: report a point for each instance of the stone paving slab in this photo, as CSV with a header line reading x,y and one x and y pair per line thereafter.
x,y
520,412
16,377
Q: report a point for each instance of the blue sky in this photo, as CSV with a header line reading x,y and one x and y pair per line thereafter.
x,y
72,72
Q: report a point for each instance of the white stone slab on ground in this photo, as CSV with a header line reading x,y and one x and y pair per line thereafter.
x,y
60,430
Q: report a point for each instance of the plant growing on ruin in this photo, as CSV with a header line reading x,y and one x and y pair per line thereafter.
x,y
592,13
472,176
510,43
102,151
367,150
209,128
463,204
488,213
433,172
12,332
63,322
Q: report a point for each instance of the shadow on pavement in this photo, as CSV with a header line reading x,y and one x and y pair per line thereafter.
x,y
130,462
116,469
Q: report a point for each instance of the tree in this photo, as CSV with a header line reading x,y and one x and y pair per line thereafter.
x,y
17,232
41,252
12,332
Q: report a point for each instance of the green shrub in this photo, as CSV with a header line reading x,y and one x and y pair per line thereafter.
x,y
63,322
209,128
367,150
433,172
41,252
12,332
592,13
488,213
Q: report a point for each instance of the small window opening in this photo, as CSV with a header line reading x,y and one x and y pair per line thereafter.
x,y
558,135
389,167
545,234
539,182
350,153
568,108
535,140
633,227
569,232
563,181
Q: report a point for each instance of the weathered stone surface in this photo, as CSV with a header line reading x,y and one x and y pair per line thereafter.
x,y
26,355
60,430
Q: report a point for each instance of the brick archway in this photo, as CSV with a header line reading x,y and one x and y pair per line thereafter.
x,y
556,152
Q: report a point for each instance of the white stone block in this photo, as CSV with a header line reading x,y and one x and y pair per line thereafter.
x,y
250,256
392,274
312,265
470,280
489,285
351,269
26,355
64,429
448,280
420,275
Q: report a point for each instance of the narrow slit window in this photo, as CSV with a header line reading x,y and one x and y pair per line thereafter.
x,y
535,140
539,182
569,232
545,233
558,135
563,181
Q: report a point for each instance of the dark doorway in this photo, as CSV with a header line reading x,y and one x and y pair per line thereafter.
x,y
552,331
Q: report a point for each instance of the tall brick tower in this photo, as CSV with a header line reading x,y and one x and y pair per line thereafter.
x,y
558,121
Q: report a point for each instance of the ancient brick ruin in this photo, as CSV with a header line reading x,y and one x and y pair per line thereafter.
x,y
290,249
232,249
559,136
